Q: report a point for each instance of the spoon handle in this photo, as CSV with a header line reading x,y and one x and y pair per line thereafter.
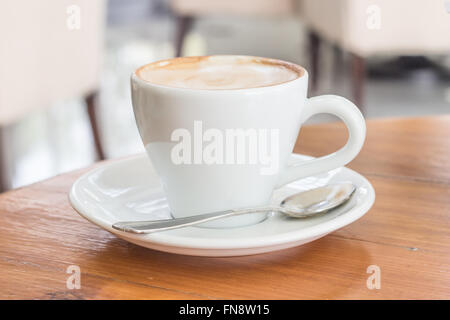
x,y
141,227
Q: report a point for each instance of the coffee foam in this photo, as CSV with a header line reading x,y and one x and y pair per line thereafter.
x,y
219,72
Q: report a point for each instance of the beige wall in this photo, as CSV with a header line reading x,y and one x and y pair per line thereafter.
x,y
406,26
41,59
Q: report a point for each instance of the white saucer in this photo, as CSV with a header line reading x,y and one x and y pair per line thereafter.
x,y
129,189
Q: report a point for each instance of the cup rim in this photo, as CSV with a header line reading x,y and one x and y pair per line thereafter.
x,y
302,73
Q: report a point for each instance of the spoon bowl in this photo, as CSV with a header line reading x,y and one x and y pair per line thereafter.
x,y
318,200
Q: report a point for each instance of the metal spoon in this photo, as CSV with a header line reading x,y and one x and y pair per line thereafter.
x,y
299,205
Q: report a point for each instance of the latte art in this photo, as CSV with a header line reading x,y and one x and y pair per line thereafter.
x,y
219,72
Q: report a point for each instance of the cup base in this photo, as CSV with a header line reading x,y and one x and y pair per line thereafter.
x,y
235,222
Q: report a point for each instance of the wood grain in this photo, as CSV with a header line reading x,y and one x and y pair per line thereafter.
x,y
410,214
405,234
414,148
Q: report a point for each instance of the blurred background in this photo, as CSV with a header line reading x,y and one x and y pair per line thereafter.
x,y
65,65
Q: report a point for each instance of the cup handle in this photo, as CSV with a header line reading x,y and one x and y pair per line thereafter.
x,y
353,119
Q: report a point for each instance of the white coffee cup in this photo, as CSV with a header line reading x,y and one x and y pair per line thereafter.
x,y
166,113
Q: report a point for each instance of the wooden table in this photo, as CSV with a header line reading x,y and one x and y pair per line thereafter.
x,y
406,234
